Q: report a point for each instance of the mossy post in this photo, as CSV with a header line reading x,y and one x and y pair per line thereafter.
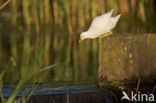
x,y
125,57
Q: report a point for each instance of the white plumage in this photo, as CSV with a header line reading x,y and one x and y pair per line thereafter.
x,y
100,25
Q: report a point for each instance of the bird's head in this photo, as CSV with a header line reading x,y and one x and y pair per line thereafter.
x,y
83,36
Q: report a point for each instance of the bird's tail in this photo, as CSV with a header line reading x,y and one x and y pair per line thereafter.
x,y
115,20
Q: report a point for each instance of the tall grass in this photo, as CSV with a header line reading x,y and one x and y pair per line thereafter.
x,y
29,74
74,12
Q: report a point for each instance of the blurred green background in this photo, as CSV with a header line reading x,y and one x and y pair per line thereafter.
x,y
38,33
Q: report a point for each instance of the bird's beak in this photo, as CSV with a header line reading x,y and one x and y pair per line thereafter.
x,y
80,40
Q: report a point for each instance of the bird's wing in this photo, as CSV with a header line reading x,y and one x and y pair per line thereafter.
x,y
99,24
102,19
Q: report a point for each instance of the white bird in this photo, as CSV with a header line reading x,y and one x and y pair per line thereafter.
x,y
100,26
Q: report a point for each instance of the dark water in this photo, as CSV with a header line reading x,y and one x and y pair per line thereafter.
x,y
22,50
25,53
50,90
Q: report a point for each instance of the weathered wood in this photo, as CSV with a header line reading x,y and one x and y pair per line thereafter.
x,y
126,56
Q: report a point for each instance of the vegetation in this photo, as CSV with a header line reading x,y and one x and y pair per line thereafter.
x,y
30,73
72,13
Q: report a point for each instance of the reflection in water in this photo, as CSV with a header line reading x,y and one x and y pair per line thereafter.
x,y
23,51
50,90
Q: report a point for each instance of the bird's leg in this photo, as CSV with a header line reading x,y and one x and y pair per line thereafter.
x,y
107,34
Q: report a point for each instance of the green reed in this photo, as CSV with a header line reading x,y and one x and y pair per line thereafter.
x,y
73,12
29,74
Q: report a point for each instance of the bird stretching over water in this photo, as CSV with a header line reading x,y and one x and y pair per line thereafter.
x,y
101,26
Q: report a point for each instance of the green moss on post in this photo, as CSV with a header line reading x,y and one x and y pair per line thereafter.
x,y
126,56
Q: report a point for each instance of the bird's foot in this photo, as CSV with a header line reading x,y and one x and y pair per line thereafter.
x,y
106,35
